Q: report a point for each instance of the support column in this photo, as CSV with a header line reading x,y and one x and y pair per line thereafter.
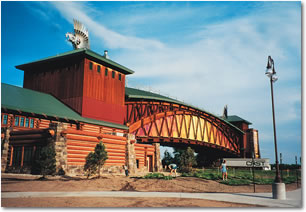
x,y
158,165
4,152
60,146
130,154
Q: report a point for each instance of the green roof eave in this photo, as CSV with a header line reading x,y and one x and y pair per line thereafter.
x,y
29,101
109,62
76,53
235,118
133,93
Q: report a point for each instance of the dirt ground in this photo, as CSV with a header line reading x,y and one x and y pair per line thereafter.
x,y
17,183
110,202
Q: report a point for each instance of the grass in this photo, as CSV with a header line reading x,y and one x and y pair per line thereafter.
x,y
241,176
157,176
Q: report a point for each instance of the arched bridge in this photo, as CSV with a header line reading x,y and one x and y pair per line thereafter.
x,y
155,118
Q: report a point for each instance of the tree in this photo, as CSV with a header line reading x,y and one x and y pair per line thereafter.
x,y
177,152
95,160
187,160
167,159
46,161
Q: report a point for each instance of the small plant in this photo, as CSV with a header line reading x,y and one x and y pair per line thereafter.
x,y
95,160
157,176
61,172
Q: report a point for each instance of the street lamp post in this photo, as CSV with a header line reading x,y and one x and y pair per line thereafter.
x,y
278,188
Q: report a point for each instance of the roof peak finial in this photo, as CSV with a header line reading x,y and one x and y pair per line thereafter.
x,y
80,37
224,116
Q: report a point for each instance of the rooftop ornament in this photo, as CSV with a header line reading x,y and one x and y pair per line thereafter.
x,y
80,37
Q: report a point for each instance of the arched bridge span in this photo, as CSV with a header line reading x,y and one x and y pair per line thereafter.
x,y
171,124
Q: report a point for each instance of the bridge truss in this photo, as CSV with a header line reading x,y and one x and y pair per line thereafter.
x,y
171,123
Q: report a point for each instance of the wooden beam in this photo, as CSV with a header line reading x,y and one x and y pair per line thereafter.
x,y
11,156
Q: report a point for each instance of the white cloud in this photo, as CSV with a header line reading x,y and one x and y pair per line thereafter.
x,y
112,39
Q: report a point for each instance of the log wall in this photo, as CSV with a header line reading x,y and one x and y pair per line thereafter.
x,y
141,152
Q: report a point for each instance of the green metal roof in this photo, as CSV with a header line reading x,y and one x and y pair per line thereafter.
x,y
29,101
76,53
133,93
235,118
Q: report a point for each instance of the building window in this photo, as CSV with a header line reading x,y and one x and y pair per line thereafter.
x,y
27,122
113,74
90,65
31,123
4,119
106,71
99,69
137,163
16,121
120,77
21,124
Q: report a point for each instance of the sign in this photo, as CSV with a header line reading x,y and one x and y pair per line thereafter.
x,y
248,162
255,163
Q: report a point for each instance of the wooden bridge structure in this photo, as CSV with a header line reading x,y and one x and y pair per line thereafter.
x,y
153,118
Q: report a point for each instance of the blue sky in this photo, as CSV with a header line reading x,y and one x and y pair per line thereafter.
x,y
208,54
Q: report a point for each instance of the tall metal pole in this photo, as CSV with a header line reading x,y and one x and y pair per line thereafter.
x,y
277,177
253,164
296,172
281,167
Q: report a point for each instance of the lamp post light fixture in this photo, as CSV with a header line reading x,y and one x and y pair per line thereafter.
x,y
278,188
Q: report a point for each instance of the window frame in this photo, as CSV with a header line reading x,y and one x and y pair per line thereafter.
x,y
16,118
21,120
32,123
4,120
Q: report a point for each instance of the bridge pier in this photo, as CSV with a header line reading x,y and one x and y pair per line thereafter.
x,y
158,165
130,154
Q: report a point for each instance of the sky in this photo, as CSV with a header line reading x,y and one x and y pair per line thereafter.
x,y
207,54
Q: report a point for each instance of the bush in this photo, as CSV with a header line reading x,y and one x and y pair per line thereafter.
x,y
187,160
95,160
61,172
46,163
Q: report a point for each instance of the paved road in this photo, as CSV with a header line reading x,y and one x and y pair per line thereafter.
x,y
294,198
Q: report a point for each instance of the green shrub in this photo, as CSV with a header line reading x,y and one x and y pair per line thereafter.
x,y
95,160
187,160
46,163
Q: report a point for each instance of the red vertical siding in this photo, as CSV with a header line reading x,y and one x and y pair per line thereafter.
x,y
103,97
65,83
